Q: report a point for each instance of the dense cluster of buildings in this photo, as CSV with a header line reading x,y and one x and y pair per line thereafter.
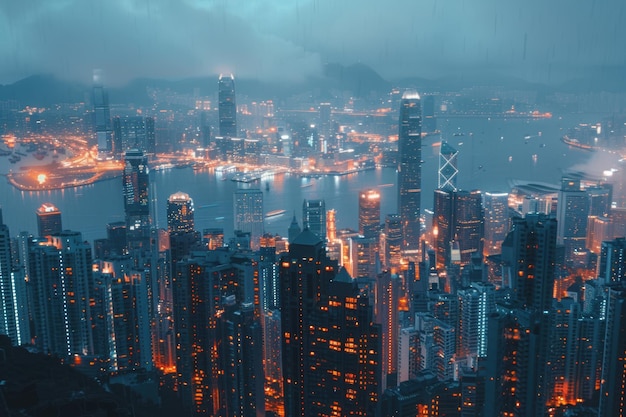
x,y
495,304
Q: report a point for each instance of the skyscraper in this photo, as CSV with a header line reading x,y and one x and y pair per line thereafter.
x,y
136,182
133,133
14,321
249,215
331,346
227,106
458,218
572,212
410,168
48,220
612,265
613,387
448,170
314,217
369,213
496,221
393,240
102,114
61,278
180,213
529,250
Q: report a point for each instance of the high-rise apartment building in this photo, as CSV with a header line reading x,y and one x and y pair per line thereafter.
x,y
612,263
314,217
227,106
61,278
180,213
331,357
248,213
613,387
369,213
410,168
48,220
14,320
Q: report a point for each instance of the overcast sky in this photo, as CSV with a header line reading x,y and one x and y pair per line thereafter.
x,y
538,40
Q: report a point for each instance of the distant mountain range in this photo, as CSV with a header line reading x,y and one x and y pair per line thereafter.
x,y
358,79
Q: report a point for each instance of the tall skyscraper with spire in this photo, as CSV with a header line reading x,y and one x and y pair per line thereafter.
x,y
410,168
102,114
227,106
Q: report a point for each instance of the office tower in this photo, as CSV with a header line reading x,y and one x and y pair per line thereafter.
x,y
61,277
227,106
133,133
529,251
314,217
457,224
136,183
331,356
102,114
363,253
430,121
48,220
448,170
573,209
369,213
240,342
613,387
393,240
14,320
410,168
476,303
248,213
496,210
612,264
325,127
388,294
180,212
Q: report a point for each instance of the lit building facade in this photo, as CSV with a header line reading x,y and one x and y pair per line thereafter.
x,y
249,214
48,220
227,106
410,168
180,213
314,217
369,213
496,211
136,183
331,346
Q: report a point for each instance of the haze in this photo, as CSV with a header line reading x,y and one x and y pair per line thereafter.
x,y
536,40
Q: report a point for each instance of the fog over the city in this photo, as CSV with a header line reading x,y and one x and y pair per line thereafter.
x,y
537,40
